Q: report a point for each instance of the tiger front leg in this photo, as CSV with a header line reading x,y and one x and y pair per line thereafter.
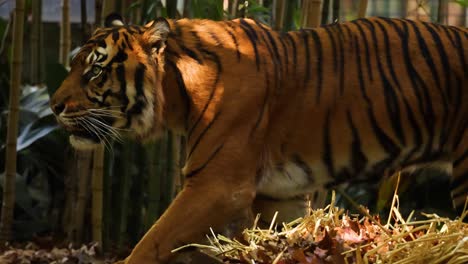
x,y
210,199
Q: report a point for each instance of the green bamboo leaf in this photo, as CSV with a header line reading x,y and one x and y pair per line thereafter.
x,y
462,2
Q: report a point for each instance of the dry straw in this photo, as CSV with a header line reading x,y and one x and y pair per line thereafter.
x,y
330,235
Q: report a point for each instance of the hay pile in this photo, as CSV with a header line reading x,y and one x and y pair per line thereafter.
x,y
331,236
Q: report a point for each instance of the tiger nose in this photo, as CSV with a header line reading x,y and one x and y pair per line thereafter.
x,y
58,108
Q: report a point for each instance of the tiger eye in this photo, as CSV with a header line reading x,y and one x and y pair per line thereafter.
x,y
96,70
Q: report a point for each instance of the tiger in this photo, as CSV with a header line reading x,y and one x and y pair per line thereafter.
x,y
271,117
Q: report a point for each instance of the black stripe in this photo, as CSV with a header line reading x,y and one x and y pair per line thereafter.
x,y
388,54
285,52
192,54
103,77
120,72
115,35
418,85
427,55
120,57
448,85
264,104
304,166
360,75
214,58
253,40
94,100
358,158
234,39
127,41
417,136
318,63
103,58
294,51
461,81
197,141
139,78
385,141
366,49
327,155
333,44
199,169
429,115
277,59
460,159
106,94
341,59
391,98
182,90
460,57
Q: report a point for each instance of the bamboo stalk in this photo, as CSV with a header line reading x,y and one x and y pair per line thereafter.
x,y
171,7
98,6
225,9
234,8
336,11
70,199
35,38
84,22
125,183
310,13
442,12
6,220
97,195
108,7
65,37
83,159
163,172
325,11
403,8
154,181
304,13
279,10
108,223
186,11
362,8
288,16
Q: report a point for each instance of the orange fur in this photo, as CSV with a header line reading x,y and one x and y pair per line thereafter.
x,y
271,117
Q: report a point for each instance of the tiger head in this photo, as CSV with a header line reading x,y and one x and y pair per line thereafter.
x,y
114,84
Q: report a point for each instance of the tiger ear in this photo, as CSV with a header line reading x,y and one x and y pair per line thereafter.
x,y
114,20
155,35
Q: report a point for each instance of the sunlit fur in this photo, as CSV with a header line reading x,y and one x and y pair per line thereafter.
x,y
269,117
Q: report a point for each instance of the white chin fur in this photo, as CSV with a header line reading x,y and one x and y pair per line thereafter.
x,y
80,143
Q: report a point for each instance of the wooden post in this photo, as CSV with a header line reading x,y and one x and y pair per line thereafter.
x,y
310,13
6,220
35,41
279,14
65,37
336,11
362,8
97,195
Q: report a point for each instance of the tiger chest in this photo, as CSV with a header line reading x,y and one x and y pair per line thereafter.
x,y
289,179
